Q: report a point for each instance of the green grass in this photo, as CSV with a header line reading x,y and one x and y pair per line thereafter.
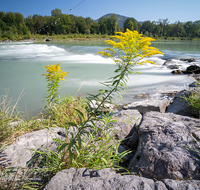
x,y
194,99
65,110
12,123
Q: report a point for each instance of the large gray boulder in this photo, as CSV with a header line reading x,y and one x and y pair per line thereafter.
x,y
181,106
19,154
161,151
106,179
97,180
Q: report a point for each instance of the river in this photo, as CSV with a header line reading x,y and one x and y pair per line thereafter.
x,y
22,65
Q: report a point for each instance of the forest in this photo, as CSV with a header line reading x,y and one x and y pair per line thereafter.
x,y
13,26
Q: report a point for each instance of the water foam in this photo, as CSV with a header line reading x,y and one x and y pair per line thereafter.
x,y
24,51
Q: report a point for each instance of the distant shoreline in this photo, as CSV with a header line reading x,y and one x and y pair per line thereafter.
x,y
82,37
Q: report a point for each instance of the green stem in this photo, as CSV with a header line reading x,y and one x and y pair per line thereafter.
x,y
96,109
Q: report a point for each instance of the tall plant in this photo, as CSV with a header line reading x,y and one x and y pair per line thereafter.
x,y
54,75
87,144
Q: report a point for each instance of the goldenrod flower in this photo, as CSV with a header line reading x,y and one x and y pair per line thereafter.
x,y
55,73
130,45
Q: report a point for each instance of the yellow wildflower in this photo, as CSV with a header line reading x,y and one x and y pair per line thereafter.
x,y
130,45
55,73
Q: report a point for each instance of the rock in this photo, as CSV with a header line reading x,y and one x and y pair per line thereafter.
x,y
104,179
170,95
106,108
120,150
161,151
196,76
194,84
182,185
197,71
192,68
158,185
173,67
133,141
19,154
176,72
15,123
196,135
171,64
147,105
142,95
181,106
188,59
191,60
127,120
187,72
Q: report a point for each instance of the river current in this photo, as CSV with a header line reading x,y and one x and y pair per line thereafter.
x,y
22,66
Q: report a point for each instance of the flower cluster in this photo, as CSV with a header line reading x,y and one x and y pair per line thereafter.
x,y
55,73
132,48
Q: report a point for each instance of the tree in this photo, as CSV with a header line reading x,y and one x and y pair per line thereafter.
x,y
2,16
103,25
81,25
3,25
130,25
65,24
94,28
112,24
196,29
127,24
10,18
139,24
56,13
188,26
19,19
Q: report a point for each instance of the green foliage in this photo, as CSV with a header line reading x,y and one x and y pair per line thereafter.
x,y
131,24
65,110
108,25
56,13
7,115
59,23
194,99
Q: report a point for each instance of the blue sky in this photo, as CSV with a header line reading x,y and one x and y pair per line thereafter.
x,y
141,10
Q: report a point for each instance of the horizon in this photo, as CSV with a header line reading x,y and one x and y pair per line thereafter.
x,y
174,10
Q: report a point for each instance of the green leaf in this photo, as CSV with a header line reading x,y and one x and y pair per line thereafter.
x,y
80,119
63,146
79,142
81,114
102,92
71,124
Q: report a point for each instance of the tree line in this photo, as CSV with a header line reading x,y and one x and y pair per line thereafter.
x,y
15,26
